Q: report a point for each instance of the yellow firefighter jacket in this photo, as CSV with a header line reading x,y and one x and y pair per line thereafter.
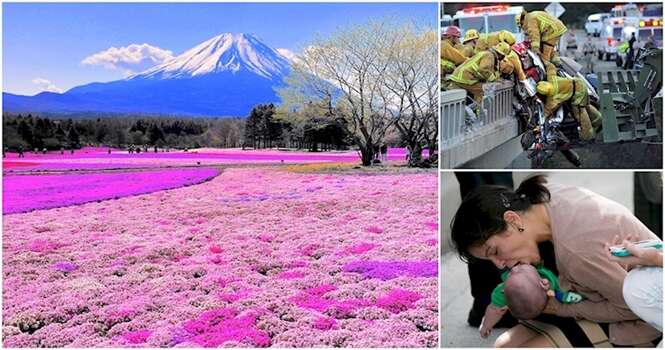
x,y
513,59
541,26
451,55
486,41
468,50
564,89
480,68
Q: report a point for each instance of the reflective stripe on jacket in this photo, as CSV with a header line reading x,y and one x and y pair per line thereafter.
x,y
479,68
540,25
563,89
447,67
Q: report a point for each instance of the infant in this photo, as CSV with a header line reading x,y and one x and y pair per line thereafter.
x,y
524,292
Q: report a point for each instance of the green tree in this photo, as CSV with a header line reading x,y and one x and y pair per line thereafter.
x,y
73,137
155,134
60,133
25,131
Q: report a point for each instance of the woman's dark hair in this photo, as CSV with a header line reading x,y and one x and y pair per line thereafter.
x,y
481,213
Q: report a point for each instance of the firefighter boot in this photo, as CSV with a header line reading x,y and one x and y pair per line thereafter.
x,y
586,132
596,117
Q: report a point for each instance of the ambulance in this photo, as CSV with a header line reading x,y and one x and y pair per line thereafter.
x,y
487,19
594,23
617,28
651,26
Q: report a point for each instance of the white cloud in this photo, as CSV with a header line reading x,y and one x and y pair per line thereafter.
x,y
130,59
290,55
46,85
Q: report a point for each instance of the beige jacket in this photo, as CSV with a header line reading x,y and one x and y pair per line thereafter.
x,y
582,222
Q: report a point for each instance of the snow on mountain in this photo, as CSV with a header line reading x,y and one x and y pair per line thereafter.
x,y
224,53
290,55
226,76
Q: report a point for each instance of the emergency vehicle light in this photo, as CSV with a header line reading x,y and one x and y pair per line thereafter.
x,y
651,23
486,9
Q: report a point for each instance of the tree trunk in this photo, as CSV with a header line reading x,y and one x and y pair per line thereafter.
x,y
415,159
367,155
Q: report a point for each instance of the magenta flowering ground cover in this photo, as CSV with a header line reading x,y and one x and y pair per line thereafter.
x,y
23,193
199,266
98,158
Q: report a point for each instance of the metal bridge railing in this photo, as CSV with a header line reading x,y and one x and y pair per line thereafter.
x,y
452,124
496,104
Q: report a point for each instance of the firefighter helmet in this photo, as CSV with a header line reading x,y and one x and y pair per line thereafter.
x,y
470,35
507,37
544,88
502,48
453,32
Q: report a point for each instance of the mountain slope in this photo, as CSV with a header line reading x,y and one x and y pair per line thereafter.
x,y
224,76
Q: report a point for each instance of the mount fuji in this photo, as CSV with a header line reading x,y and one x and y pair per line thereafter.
x,y
223,76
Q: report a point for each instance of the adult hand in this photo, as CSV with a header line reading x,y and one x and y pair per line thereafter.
x,y
638,256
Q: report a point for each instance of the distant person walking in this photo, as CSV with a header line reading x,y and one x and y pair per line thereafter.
x,y
20,152
384,153
588,50
4,152
631,53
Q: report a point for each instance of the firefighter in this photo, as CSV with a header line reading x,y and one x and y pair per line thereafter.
x,y
543,31
485,41
515,62
451,48
558,90
470,39
481,68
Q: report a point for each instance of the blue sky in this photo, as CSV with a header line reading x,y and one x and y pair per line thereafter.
x,y
45,44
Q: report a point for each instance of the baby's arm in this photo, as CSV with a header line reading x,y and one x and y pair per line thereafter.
x,y
492,316
551,284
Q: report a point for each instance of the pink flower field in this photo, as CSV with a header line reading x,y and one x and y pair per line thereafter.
x,y
29,192
253,257
96,158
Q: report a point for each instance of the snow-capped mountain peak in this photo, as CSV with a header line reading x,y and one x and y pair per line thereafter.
x,y
224,53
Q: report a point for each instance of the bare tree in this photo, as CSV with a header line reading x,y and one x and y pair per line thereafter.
x,y
374,76
412,80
